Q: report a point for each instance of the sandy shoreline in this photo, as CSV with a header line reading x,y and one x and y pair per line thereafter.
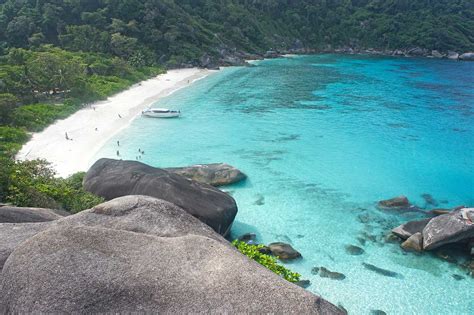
x,y
91,127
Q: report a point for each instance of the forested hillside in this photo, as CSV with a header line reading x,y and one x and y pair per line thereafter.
x,y
150,31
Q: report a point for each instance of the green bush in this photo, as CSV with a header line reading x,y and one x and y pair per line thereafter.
x,y
33,184
11,140
270,262
36,117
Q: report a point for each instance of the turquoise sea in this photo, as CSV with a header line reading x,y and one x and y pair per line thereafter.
x,y
322,138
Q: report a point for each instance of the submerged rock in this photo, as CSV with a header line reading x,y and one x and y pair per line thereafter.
x,y
10,214
283,251
449,228
429,200
247,237
113,178
377,312
303,283
354,250
381,271
216,174
326,273
414,243
406,230
138,254
398,203
457,277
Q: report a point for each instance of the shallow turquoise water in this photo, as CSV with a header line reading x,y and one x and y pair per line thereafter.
x,y
322,138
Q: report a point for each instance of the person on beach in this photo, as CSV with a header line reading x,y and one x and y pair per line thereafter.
x,y
67,137
118,143
118,153
96,129
119,116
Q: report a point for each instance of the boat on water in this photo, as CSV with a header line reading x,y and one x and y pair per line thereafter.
x,y
161,113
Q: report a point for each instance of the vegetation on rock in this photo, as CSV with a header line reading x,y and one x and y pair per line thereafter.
x,y
270,262
33,184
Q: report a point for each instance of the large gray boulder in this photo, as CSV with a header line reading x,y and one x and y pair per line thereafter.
x,y
113,178
13,234
124,264
467,56
10,214
216,174
453,55
449,228
406,230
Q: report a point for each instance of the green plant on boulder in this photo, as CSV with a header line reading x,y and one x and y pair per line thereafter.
x,y
270,262
33,184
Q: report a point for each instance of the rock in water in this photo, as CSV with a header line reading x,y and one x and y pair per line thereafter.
x,y
303,283
113,178
467,56
381,271
449,228
283,251
326,273
217,174
354,250
9,214
138,254
413,243
453,55
400,203
406,230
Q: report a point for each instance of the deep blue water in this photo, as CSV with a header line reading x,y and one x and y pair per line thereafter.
x,y
322,138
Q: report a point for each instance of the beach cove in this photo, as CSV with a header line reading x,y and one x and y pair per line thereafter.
x,y
71,143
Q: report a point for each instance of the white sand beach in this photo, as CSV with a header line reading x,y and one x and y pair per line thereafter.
x,y
89,128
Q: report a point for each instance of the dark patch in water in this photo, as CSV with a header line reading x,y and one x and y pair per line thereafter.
x,y
381,271
457,277
260,201
398,125
291,137
429,200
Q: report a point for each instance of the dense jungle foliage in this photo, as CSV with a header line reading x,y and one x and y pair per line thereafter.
x,y
57,55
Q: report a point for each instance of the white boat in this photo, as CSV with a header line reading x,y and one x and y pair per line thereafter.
x,y
161,113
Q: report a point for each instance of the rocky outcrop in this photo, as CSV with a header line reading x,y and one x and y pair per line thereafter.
x,y
140,254
284,251
397,203
467,56
13,234
9,214
436,54
453,55
449,228
414,243
406,230
417,51
113,178
216,174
